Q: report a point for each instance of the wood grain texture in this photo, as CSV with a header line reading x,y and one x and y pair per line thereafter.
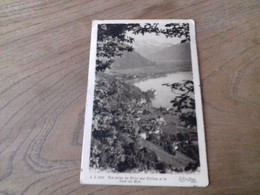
x,y
44,51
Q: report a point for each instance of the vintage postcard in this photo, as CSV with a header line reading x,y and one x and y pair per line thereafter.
x,y
144,121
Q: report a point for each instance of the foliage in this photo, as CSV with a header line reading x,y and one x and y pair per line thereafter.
x,y
116,124
184,102
122,112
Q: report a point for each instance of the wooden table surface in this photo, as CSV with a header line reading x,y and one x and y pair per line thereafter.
x,y
44,52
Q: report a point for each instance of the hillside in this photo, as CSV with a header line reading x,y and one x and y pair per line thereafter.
x,y
131,60
127,135
178,52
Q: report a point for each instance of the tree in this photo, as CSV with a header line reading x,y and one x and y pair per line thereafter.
x,y
113,39
184,103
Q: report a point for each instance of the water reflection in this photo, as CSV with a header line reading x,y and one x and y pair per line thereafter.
x,y
163,94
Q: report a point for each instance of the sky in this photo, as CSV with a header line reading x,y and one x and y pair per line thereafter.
x,y
154,39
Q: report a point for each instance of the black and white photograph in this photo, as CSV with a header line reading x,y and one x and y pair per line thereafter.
x,y
144,123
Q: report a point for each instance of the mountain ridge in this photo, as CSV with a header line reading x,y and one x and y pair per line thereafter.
x,y
131,60
177,52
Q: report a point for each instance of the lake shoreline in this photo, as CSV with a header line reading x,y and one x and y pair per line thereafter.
x,y
136,80
163,94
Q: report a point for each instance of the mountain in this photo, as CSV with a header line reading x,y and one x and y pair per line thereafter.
x,y
131,60
178,52
148,47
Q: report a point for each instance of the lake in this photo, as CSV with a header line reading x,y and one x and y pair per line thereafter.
x,y
163,93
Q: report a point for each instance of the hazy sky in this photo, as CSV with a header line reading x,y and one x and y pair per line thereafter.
x,y
157,39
